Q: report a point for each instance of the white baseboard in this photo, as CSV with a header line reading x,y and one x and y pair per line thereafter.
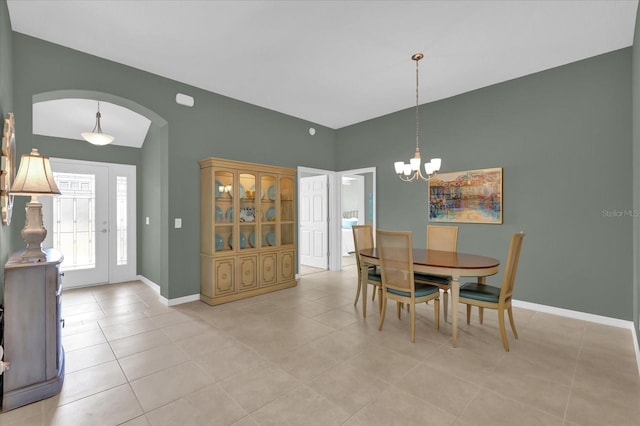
x,y
598,319
636,346
180,300
615,322
155,287
164,300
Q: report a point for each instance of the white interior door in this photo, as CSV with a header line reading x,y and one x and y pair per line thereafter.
x,y
314,223
93,221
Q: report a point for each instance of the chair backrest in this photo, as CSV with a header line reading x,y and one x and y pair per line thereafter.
x,y
511,268
395,249
362,239
443,238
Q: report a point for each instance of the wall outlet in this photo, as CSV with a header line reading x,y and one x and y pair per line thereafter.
x,y
146,220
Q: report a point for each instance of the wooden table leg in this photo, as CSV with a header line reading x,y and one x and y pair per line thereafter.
x,y
455,295
364,273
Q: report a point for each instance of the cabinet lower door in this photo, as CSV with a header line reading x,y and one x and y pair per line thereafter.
x,y
224,276
268,269
248,270
286,265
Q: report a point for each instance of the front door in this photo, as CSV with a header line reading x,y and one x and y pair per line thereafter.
x,y
314,235
92,221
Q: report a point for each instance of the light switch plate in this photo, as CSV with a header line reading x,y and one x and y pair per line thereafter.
x,y
178,222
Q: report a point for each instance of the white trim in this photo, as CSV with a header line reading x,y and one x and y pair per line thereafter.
x,y
168,302
363,171
598,319
636,347
155,287
180,300
338,206
615,322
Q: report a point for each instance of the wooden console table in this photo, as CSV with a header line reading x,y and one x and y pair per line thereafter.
x,y
32,330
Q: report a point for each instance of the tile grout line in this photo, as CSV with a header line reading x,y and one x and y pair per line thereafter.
x,y
126,378
573,376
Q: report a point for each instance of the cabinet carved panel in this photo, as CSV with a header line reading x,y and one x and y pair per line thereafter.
x,y
248,273
268,270
224,276
286,263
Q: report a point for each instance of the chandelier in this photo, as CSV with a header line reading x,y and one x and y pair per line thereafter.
x,y
410,172
96,136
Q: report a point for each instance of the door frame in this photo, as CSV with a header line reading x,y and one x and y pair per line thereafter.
x,y
352,172
335,209
126,272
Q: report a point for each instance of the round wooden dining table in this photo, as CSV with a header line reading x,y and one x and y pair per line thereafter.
x,y
436,262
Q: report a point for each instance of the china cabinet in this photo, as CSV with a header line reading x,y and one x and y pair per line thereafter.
x,y
248,228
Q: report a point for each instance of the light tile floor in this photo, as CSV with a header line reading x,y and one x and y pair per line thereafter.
x,y
305,356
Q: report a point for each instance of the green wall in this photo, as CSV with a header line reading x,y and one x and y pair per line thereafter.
x,y
169,173
636,173
6,106
563,136
150,204
563,139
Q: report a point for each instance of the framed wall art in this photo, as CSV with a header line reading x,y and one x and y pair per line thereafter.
x,y
471,196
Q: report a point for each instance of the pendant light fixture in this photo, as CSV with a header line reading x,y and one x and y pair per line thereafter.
x,y
96,136
410,172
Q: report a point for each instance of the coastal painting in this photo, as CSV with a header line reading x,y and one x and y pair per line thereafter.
x,y
471,196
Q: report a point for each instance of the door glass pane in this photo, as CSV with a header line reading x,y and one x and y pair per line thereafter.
x,y
74,220
223,187
121,220
247,189
268,212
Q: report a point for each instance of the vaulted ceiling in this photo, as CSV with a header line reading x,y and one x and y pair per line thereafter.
x,y
334,63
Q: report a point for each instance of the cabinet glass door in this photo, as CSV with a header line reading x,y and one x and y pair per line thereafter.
x,y
268,211
223,206
287,212
247,214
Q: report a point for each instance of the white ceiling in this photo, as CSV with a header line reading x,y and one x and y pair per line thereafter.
x,y
333,63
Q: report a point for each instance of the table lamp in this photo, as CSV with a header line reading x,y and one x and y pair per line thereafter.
x,y
34,178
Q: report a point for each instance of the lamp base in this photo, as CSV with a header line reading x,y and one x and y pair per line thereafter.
x,y
33,232
33,255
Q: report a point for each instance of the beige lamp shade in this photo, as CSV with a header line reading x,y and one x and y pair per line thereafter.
x,y
34,176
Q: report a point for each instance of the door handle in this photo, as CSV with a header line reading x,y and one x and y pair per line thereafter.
x,y
104,231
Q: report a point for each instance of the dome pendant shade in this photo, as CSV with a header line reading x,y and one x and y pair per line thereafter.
x,y
96,136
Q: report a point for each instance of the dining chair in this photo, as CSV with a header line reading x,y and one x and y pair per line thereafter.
x,y
395,249
363,239
444,238
486,296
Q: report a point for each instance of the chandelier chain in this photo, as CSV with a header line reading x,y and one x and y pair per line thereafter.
x,y
417,106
